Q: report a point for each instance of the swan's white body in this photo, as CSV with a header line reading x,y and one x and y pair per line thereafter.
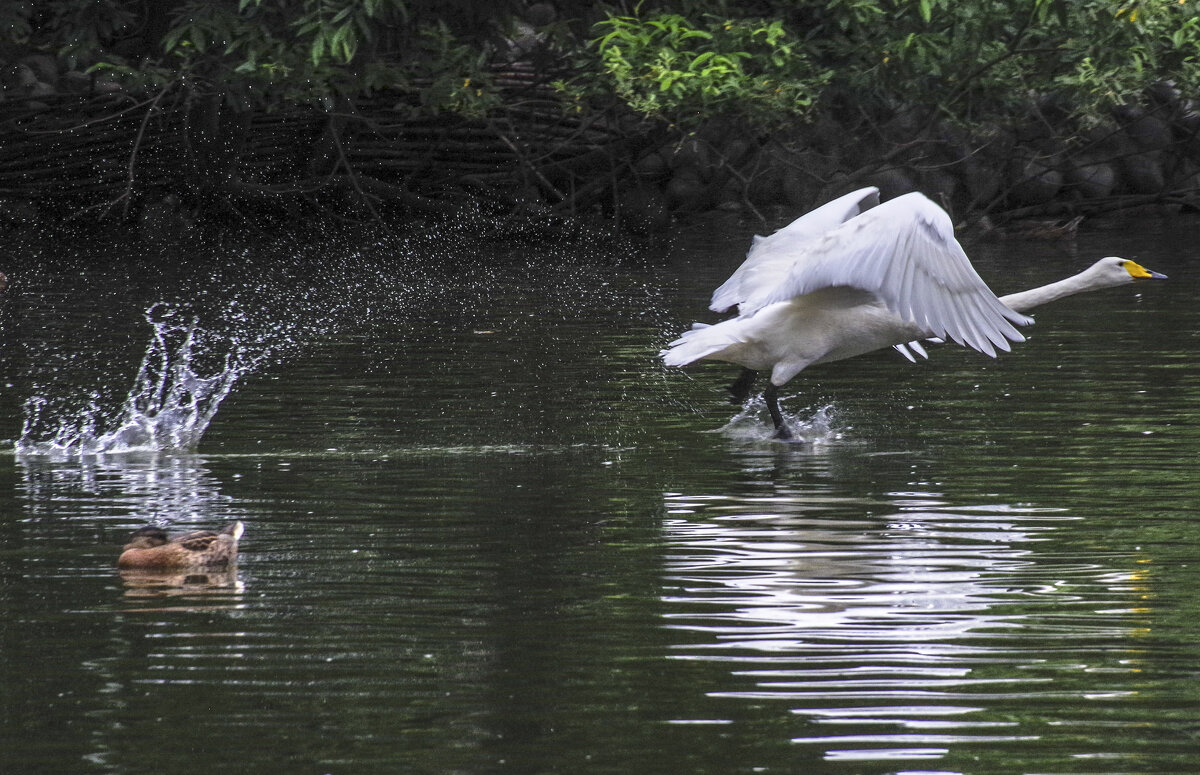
x,y
854,276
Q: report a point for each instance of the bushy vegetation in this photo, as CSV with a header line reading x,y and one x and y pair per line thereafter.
x,y
682,61
992,103
967,60
264,52
764,60
669,67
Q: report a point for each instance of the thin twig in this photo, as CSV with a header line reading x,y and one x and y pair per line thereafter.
x,y
137,144
526,163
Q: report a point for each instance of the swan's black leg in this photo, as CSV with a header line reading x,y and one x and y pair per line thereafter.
x,y
739,389
782,431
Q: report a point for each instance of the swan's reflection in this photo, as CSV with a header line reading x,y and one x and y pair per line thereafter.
x,y
926,626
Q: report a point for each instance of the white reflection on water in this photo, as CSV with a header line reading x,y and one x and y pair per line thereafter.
x,y
133,489
897,636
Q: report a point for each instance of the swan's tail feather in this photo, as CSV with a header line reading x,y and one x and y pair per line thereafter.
x,y
701,342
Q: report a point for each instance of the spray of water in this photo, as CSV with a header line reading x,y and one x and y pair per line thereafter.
x,y
753,424
220,312
168,408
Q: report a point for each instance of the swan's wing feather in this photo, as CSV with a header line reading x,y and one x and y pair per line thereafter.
x,y
903,252
911,349
769,259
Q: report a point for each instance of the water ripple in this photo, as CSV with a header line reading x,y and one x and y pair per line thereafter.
x,y
945,623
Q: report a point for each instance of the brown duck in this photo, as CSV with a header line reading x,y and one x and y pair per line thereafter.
x,y
150,548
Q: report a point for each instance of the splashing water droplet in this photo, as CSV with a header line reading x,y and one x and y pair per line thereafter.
x,y
752,424
168,408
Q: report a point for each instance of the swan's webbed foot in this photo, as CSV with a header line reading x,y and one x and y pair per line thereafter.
x,y
739,389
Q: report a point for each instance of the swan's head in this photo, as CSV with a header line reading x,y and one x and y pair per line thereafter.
x,y
1114,270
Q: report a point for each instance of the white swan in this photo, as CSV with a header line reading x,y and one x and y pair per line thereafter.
x,y
854,276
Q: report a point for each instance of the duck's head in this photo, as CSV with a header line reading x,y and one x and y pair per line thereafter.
x,y
147,537
1115,270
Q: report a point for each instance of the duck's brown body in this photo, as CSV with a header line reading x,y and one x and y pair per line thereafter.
x,y
150,548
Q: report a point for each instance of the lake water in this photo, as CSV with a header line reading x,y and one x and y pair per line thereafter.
x,y
487,532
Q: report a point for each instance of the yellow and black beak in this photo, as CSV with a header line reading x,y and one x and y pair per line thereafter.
x,y
1139,272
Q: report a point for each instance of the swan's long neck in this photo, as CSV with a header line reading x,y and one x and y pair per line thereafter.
x,y
1036,297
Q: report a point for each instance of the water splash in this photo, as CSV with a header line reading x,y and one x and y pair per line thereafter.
x,y
168,408
753,424
272,299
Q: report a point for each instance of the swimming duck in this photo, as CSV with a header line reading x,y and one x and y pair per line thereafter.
x,y
151,548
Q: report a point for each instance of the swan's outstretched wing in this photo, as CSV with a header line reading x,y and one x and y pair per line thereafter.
x,y
770,258
904,252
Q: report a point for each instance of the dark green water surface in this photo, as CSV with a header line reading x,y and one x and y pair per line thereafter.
x,y
486,531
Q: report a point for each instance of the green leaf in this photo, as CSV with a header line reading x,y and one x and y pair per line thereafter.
x,y
171,39
318,49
